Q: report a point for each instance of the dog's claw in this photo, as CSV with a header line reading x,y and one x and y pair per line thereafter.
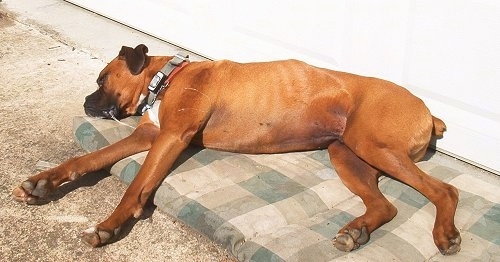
x,y
24,194
19,194
95,237
92,239
351,239
344,242
453,248
29,192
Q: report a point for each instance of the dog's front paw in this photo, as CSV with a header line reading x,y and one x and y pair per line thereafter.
x,y
95,237
30,192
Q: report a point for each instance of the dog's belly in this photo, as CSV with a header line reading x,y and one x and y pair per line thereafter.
x,y
292,131
263,143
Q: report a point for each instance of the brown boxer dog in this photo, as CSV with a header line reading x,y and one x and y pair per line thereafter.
x,y
371,127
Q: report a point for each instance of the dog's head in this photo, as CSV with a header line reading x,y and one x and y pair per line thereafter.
x,y
121,84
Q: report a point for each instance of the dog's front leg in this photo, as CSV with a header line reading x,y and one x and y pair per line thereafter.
x,y
33,189
159,160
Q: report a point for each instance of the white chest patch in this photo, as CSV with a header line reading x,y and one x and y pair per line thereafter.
x,y
141,99
153,113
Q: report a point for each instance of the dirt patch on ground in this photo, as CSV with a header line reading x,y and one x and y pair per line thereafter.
x,y
43,83
5,21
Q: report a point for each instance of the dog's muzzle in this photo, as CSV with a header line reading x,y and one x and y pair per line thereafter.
x,y
94,106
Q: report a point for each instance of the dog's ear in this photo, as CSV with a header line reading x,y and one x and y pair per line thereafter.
x,y
134,57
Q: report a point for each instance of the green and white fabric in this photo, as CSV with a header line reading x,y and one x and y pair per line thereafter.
x,y
288,207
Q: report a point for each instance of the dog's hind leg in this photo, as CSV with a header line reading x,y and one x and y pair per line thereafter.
x,y
362,180
400,166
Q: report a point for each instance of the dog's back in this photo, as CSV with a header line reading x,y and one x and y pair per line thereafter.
x,y
289,105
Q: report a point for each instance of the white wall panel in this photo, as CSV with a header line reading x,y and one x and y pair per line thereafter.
x,y
445,51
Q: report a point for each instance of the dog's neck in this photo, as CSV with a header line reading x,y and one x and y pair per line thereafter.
x,y
160,79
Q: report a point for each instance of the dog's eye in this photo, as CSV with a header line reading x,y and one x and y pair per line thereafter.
x,y
100,81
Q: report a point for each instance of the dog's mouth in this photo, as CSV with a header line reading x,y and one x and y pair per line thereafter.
x,y
109,113
100,106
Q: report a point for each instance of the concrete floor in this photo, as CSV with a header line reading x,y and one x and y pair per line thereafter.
x,y
51,53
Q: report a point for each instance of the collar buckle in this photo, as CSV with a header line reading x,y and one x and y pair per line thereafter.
x,y
157,82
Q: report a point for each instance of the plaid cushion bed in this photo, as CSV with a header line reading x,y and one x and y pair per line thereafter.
x,y
287,207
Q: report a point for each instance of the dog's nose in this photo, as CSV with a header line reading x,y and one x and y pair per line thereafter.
x,y
92,99
90,106
96,105
91,111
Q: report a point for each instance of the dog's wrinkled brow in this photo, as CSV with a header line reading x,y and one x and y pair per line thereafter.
x,y
101,79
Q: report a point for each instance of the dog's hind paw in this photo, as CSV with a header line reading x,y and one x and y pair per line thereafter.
x,y
95,237
453,248
350,239
29,192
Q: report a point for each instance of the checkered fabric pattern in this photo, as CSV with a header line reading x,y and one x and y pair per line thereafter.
x,y
287,207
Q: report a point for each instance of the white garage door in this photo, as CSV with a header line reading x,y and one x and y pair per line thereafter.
x,y
447,52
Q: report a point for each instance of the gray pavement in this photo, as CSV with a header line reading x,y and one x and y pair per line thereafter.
x,y
51,53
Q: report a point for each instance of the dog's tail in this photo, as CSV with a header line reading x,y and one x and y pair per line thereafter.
x,y
439,127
